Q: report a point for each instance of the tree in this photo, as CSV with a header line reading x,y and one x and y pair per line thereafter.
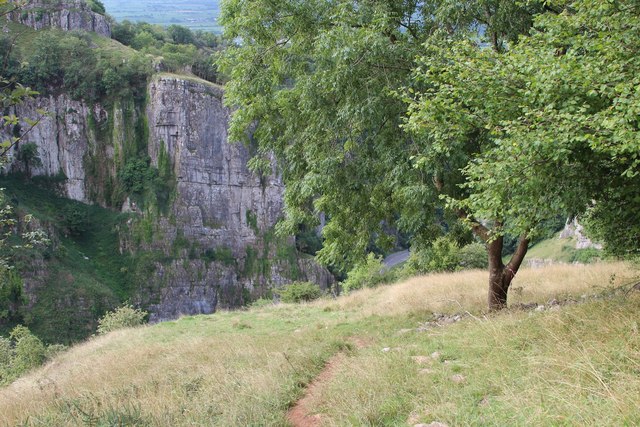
x,y
545,128
29,157
181,35
319,84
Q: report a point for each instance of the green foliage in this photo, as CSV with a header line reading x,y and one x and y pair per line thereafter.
x,y
252,221
318,87
613,219
181,35
180,48
85,272
442,255
75,219
545,123
586,256
135,175
122,317
221,254
11,296
20,353
97,6
299,292
69,62
474,255
28,156
29,351
261,302
307,241
367,274
146,183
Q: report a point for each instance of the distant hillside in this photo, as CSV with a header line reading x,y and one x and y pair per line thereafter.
x,y
194,14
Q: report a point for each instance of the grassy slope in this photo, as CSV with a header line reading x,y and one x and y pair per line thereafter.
x,y
574,366
559,250
85,269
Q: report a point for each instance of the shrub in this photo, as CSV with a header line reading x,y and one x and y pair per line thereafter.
x,y
97,6
29,352
586,256
443,255
75,219
53,350
18,354
368,274
474,255
299,291
29,157
122,317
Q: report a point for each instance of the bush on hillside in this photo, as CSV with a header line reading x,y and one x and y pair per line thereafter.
x,y
474,256
445,255
29,351
367,274
261,302
299,292
122,317
21,352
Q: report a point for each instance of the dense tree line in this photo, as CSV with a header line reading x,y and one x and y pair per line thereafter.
x,y
502,115
181,48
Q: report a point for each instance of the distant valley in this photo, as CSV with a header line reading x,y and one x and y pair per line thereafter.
x,y
194,14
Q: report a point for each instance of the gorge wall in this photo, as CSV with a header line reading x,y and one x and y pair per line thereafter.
x,y
186,228
212,244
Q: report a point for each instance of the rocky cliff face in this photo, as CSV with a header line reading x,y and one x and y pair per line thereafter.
x,y
64,138
220,208
66,15
214,243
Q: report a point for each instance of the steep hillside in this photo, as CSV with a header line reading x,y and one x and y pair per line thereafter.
x,y
417,352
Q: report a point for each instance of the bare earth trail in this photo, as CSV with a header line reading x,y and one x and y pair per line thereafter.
x,y
299,415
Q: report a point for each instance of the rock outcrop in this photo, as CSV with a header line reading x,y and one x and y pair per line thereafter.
x,y
214,242
573,229
66,15
63,137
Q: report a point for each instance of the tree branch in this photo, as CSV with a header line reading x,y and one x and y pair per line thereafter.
x,y
478,229
517,257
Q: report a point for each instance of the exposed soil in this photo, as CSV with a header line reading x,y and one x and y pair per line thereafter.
x,y
300,415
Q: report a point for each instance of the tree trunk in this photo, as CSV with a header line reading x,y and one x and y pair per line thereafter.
x,y
501,276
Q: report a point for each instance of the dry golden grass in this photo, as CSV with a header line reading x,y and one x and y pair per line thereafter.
x,y
467,290
248,367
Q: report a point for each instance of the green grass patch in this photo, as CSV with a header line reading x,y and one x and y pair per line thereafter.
x,y
562,250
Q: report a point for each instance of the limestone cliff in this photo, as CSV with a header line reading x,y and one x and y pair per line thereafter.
x,y
214,244
63,136
66,15
219,206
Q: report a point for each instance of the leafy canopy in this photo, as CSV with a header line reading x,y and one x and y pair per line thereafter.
x,y
317,83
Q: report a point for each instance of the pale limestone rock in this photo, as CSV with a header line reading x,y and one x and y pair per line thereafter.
x,y
66,15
